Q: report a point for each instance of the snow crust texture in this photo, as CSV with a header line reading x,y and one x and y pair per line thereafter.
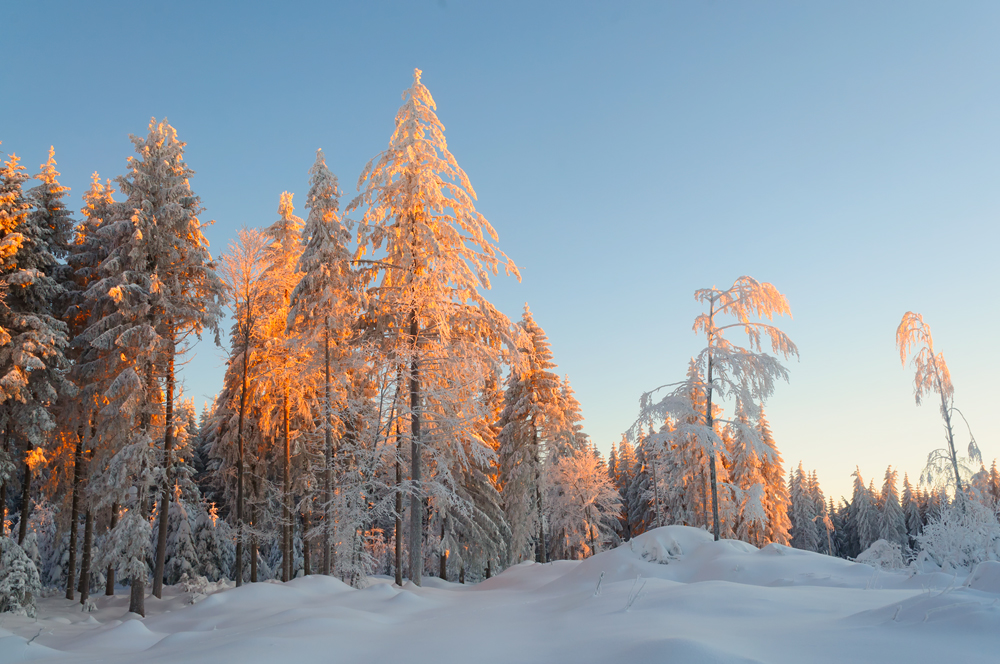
x,y
669,595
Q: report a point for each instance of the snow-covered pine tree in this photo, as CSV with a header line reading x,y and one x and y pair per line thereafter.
x,y
19,582
182,556
162,279
747,476
285,389
530,418
324,308
243,275
910,504
437,252
32,338
582,504
804,534
892,519
213,541
746,375
866,514
776,500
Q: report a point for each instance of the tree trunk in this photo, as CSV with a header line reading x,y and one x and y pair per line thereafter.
x,y
443,554
416,534
168,440
22,528
399,508
286,562
656,495
946,413
306,570
328,439
74,514
489,568
109,585
3,485
240,526
542,554
137,595
88,544
711,458
253,546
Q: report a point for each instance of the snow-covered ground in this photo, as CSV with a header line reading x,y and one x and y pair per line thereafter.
x,y
671,595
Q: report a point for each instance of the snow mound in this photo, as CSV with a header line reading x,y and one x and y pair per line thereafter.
x,y
882,554
986,577
677,649
661,545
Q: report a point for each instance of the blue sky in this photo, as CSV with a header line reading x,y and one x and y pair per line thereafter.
x,y
627,154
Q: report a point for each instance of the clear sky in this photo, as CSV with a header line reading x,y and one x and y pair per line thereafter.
x,y
627,154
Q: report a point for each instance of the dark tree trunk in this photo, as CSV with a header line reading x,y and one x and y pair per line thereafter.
x,y
168,440
88,544
306,570
22,529
711,458
443,555
253,546
240,526
109,585
328,470
541,554
399,509
416,528
74,514
137,595
286,562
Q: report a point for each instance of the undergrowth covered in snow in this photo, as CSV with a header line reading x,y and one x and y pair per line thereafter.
x,y
670,595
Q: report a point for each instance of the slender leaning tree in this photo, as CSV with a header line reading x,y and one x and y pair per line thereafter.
x,y
932,376
430,254
746,375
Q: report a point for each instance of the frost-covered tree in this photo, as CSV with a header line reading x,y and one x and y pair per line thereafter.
x,y
804,534
19,582
932,376
747,476
243,275
324,308
32,338
284,389
162,281
528,425
213,541
182,555
910,505
892,519
431,253
582,503
746,375
776,499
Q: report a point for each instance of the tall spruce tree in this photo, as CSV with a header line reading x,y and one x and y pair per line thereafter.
x,y
33,339
437,252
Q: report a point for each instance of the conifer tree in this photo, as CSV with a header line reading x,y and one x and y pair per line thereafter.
x,y
804,534
776,499
324,307
438,253
911,512
162,280
530,418
892,519
746,375
243,275
32,338
285,389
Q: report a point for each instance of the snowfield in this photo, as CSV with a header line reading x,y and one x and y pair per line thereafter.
x,y
670,595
